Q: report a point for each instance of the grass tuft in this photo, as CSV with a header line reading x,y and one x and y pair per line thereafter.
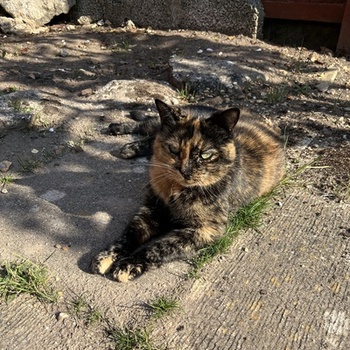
x,y
5,181
186,93
162,306
131,339
276,95
82,309
25,277
249,216
29,165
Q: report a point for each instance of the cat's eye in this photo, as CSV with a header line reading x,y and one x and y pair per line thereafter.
x,y
207,155
174,149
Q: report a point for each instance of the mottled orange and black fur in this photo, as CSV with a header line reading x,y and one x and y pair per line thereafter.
x,y
205,164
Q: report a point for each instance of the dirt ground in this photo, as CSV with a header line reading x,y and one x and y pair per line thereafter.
x,y
308,96
73,62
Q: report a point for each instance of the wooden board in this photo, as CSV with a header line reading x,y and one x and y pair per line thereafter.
x,y
344,36
304,11
329,11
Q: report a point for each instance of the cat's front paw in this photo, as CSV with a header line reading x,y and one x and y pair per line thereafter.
x,y
130,150
126,271
102,263
118,129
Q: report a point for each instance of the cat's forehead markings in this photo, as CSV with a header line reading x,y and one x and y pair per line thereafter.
x,y
196,133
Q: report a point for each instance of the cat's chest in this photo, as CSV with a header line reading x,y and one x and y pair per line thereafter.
x,y
197,204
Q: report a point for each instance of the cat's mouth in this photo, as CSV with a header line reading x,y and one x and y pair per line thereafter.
x,y
195,180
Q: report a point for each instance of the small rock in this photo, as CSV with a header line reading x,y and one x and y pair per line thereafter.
x,y
86,92
314,57
53,195
5,166
323,87
130,25
217,100
63,53
62,247
101,22
62,316
86,72
34,151
84,20
327,78
70,27
4,190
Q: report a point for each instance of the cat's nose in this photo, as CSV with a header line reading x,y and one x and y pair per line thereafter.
x,y
186,172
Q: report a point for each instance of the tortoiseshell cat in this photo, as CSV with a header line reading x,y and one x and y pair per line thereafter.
x,y
205,164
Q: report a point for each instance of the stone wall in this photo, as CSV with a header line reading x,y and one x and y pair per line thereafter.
x,y
231,17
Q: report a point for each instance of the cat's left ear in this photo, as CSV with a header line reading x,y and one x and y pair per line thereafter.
x,y
226,119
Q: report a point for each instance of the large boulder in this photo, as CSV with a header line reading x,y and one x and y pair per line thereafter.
x,y
229,17
34,12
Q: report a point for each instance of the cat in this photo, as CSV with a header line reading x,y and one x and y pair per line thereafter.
x,y
205,164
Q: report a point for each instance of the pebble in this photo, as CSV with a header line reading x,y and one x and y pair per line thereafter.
x,y
53,195
5,166
130,25
62,247
86,92
63,53
62,316
84,20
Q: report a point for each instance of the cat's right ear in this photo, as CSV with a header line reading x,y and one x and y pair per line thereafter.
x,y
168,115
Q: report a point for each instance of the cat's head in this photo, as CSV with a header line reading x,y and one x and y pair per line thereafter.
x,y
194,146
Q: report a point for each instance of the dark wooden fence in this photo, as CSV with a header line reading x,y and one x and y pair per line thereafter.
x,y
331,11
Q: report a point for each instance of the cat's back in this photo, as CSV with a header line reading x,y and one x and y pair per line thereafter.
x,y
261,148
257,131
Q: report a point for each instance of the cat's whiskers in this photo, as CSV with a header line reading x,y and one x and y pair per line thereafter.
x,y
156,180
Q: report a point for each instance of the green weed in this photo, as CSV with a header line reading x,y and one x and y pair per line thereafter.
x,y
131,339
162,306
122,46
19,106
29,165
26,277
82,309
249,216
5,180
186,93
302,89
276,94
